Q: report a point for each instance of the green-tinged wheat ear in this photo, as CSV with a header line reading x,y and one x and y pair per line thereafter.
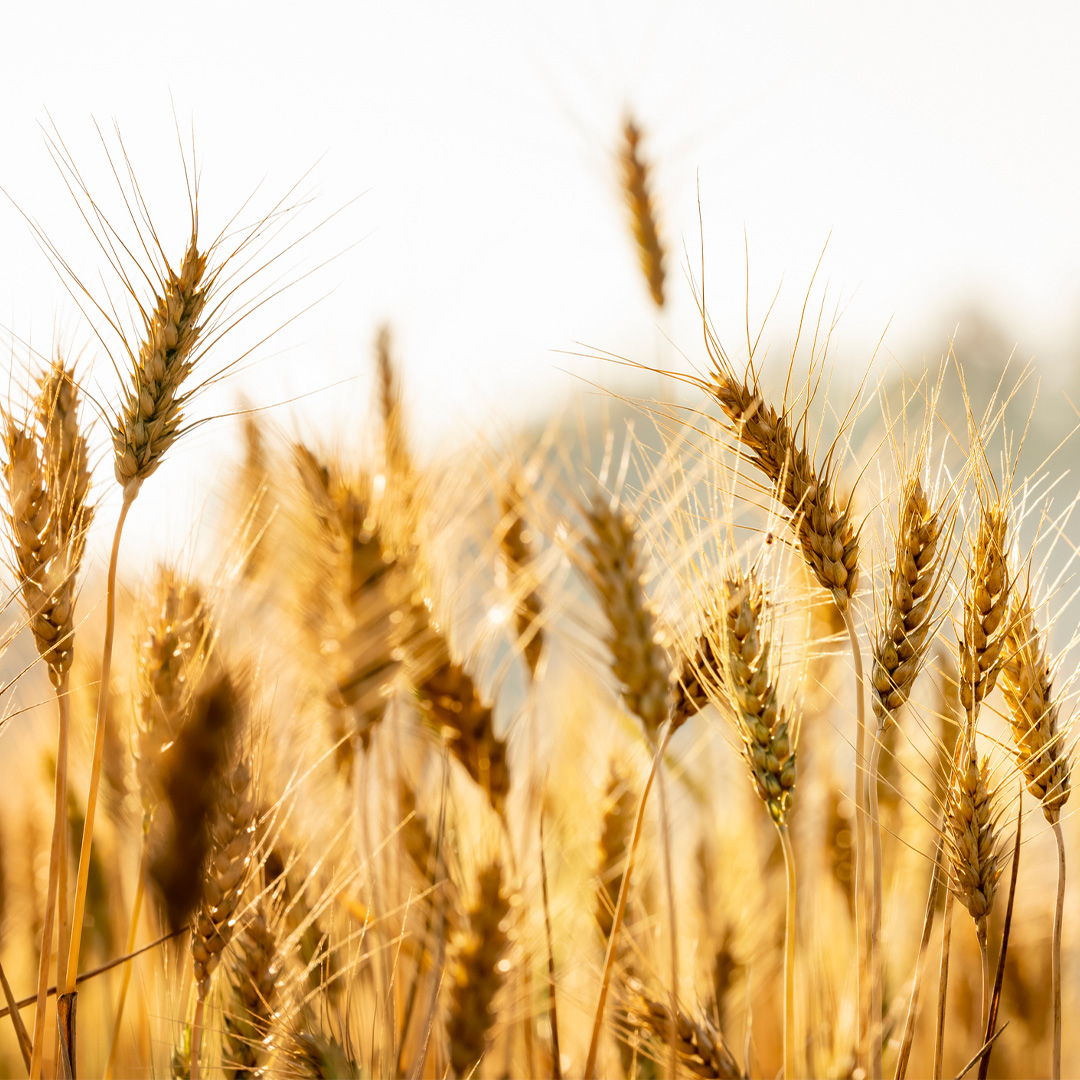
x,y
903,633
701,1048
827,538
615,569
747,691
637,190
972,836
515,547
1026,682
152,411
46,474
986,609
477,973
253,987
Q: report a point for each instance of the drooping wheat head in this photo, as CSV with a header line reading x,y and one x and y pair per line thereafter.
x,y
702,1051
1026,682
253,987
637,191
775,442
615,568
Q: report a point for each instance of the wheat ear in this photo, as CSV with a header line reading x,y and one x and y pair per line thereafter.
x,y
148,423
637,190
253,988
701,1048
47,477
1026,682
899,652
476,972
515,547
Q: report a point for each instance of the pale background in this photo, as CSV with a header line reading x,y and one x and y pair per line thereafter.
x,y
472,149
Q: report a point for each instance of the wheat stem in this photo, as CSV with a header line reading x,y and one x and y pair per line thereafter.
x,y
136,909
789,955
1055,965
664,828
859,859
924,944
56,852
620,909
196,1036
984,951
21,1034
943,981
99,747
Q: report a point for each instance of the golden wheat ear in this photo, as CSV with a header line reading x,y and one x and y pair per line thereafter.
x,y
637,190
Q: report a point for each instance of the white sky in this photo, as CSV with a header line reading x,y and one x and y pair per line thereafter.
x,y
937,144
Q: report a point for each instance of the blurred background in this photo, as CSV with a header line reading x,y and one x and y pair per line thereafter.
x,y
466,157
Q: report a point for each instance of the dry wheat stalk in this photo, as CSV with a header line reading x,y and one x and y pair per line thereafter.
x,y
1042,759
637,191
476,972
615,570
702,1050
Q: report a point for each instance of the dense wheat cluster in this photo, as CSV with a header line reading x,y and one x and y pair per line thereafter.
x,y
544,759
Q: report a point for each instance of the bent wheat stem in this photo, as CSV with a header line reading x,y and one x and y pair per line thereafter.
x,y
620,909
1055,963
79,907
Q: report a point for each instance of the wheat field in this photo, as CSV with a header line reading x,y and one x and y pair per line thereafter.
x,y
721,732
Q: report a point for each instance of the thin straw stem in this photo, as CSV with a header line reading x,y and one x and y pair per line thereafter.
x,y
943,982
789,956
620,911
1055,961
99,746
876,962
56,851
860,828
984,951
125,981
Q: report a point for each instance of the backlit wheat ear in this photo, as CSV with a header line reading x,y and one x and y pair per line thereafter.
x,y
152,411
637,189
1041,757
476,973
615,569
986,609
253,988
702,1051
1026,682
904,625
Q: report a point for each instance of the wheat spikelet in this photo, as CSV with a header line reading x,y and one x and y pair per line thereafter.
x,y
972,837
773,443
637,190
515,546
477,972
47,477
986,607
904,623
701,1048
692,679
615,569
253,987
1026,682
